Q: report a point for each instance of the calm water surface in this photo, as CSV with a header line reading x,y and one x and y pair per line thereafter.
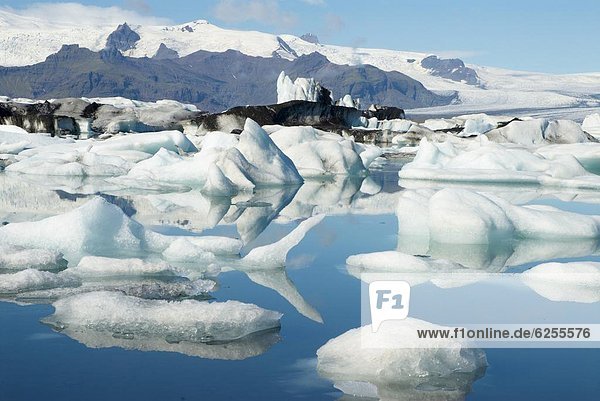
x,y
37,363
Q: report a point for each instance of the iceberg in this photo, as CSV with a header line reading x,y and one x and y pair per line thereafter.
x,y
565,282
96,227
483,161
458,216
387,364
538,132
163,288
18,258
306,89
222,170
97,267
99,228
31,279
188,320
591,124
315,154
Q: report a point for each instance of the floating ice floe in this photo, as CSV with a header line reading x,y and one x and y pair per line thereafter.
x,y
234,165
591,124
316,154
31,279
165,288
112,157
588,154
97,266
413,269
188,320
458,216
389,365
483,161
300,89
14,140
17,258
100,228
565,282
538,132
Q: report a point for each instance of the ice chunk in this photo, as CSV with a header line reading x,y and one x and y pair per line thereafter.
x,y
188,320
95,227
147,288
570,282
388,361
413,269
17,258
316,154
71,163
217,184
539,131
272,166
184,250
100,228
588,154
301,89
96,266
149,142
591,124
460,216
31,279
487,162
254,161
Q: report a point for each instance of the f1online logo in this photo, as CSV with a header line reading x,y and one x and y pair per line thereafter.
x,y
388,300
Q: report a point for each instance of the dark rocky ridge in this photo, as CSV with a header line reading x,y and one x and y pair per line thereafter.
x,y
165,53
310,38
452,68
123,38
211,81
76,116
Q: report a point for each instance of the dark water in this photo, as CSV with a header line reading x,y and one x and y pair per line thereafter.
x,y
39,364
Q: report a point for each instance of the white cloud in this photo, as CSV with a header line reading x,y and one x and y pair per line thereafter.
x,y
268,12
72,13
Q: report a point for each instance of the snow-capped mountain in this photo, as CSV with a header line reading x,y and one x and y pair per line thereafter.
x,y
27,41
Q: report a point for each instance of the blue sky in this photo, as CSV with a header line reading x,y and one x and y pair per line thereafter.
x,y
555,36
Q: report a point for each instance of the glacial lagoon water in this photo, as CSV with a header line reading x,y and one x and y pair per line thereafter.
x,y
38,362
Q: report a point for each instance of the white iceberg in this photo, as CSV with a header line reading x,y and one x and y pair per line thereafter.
x,y
17,258
188,320
112,157
143,287
31,279
300,89
99,228
591,124
97,266
483,161
316,154
458,216
95,227
237,165
387,364
565,282
538,132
